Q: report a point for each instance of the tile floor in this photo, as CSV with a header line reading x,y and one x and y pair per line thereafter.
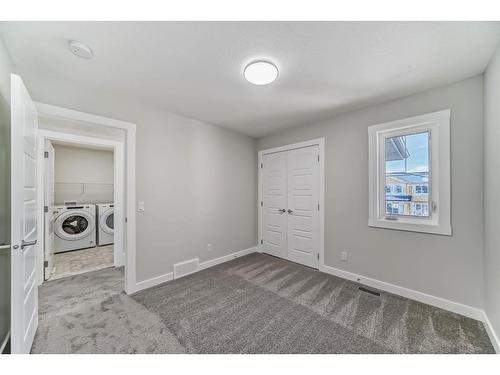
x,y
79,261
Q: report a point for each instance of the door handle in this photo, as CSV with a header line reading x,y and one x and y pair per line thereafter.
x,y
5,247
28,243
282,210
290,211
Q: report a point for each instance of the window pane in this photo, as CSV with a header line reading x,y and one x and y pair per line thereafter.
x,y
407,175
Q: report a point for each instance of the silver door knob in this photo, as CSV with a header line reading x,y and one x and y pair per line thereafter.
x,y
282,210
290,211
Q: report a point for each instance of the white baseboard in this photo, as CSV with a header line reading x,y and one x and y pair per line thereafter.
x,y
469,311
201,266
495,340
153,281
225,258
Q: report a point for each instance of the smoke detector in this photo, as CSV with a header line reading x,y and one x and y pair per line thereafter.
x,y
79,49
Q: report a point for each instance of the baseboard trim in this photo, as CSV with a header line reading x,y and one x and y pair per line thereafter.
x,y
442,303
495,340
226,258
149,283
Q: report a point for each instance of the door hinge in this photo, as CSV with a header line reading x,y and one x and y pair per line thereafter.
x,y
262,165
318,206
125,219
318,158
318,256
46,209
261,204
45,263
262,242
46,154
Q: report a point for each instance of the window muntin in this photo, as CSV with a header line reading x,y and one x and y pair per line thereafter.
x,y
407,173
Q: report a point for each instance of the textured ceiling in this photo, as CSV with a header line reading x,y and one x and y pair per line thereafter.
x,y
195,68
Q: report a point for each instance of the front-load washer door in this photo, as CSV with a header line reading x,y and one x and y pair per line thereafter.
x,y
74,225
107,221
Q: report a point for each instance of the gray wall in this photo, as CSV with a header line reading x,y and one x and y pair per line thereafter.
x,y
5,70
83,174
447,267
197,180
491,189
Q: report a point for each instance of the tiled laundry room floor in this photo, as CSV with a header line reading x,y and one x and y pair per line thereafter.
x,y
79,261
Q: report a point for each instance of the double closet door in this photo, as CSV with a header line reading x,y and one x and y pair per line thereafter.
x,y
290,205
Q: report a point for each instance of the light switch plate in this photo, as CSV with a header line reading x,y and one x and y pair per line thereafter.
x,y
140,206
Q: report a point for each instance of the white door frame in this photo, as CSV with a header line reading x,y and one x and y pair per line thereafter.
x,y
124,179
118,185
320,142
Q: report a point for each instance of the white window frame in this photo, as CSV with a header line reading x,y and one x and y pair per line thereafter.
x,y
439,220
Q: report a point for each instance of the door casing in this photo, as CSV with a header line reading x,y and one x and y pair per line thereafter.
x,y
124,164
320,142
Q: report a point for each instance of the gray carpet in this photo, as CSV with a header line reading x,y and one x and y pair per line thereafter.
x,y
253,304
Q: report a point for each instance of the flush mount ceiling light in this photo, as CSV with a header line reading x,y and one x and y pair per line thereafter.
x,y
79,49
261,72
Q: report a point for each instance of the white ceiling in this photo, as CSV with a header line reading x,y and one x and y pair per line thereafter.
x,y
196,68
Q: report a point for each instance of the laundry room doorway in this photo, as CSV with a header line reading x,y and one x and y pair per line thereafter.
x,y
79,207
86,194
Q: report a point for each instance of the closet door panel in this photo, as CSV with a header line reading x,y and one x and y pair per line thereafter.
x,y
303,199
274,174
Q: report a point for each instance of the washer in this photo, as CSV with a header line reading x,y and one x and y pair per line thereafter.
x,y
106,223
74,227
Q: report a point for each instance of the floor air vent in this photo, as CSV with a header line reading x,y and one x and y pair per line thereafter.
x,y
366,290
185,268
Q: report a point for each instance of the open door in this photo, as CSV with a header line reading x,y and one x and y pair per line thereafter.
x,y
24,286
49,209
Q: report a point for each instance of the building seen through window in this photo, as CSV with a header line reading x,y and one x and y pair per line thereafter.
x,y
407,175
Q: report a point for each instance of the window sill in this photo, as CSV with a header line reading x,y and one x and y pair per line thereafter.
x,y
411,226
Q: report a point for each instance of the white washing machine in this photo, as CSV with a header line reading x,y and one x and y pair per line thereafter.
x,y
106,223
74,227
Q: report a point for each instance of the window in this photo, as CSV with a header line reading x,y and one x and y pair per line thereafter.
x,y
413,157
407,163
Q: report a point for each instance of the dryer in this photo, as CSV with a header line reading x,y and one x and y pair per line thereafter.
x,y
74,227
106,223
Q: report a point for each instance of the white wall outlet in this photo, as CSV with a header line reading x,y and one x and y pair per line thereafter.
x,y
343,256
140,206
209,247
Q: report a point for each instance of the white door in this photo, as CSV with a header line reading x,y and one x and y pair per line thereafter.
x,y
24,286
290,214
274,178
303,206
49,209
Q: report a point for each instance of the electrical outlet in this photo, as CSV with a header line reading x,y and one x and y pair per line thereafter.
x,y
343,256
209,247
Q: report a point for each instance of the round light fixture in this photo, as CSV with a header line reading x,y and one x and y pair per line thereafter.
x,y
79,49
261,72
